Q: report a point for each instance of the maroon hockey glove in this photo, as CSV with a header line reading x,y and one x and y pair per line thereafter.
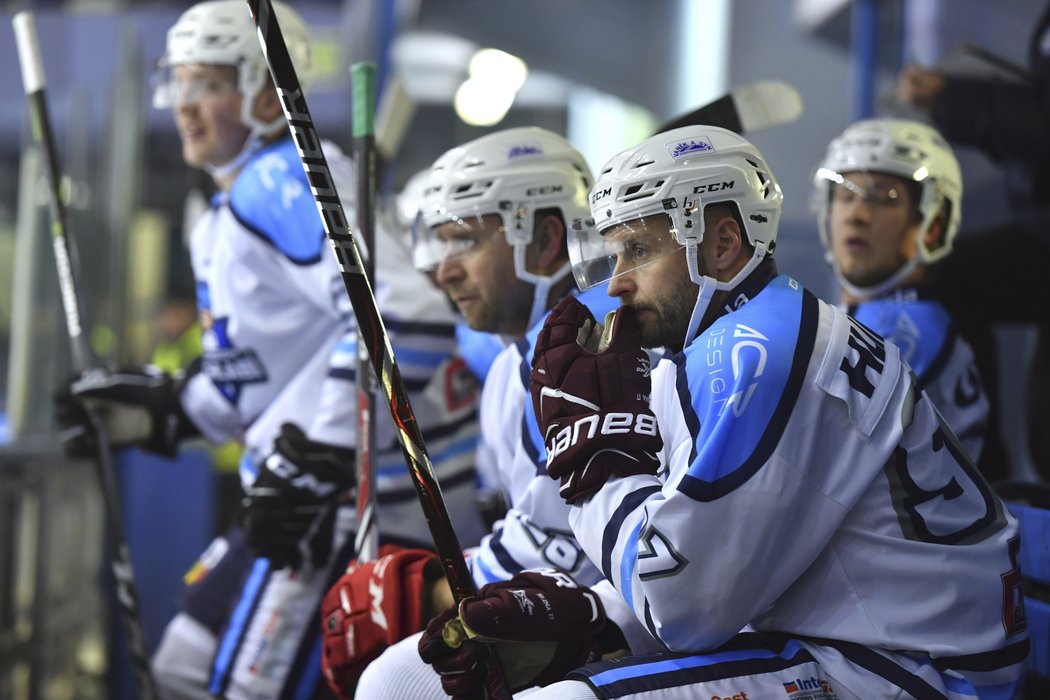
x,y
372,606
541,623
591,396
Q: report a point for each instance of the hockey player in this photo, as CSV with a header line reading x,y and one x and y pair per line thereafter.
x,y
278,373
494,215
888,196
785,510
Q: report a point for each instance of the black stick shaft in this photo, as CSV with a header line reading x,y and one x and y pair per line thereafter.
x,y
65,260
370,324
363,84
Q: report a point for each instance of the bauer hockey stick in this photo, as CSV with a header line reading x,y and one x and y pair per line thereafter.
x,y
370,325
746,109
65,258
363,86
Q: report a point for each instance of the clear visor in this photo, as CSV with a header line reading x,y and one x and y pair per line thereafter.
x,y
189,84
874,189
599,256
458,235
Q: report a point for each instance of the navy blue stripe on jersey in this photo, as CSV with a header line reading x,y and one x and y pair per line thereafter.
x,y
423,327
702,490
883,667
447,482
612,528
310,258
230,643
537,453
986,661
665,670
350,375
504,557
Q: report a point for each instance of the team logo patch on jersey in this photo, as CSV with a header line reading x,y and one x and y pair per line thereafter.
x,y
692,147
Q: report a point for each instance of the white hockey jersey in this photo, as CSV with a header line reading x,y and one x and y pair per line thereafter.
x,y
811,489
279,338
535,530
920,327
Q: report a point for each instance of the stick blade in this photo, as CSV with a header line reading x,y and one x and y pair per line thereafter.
x,y
766,103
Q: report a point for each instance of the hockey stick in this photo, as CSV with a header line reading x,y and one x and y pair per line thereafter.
x,y
746,109
363,85
370,325
65,257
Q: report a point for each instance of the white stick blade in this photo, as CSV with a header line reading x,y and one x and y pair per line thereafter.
x,y
29,52
767,103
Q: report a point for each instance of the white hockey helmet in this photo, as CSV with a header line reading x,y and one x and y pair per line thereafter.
x,y
407,213
222,32
512,173
678,173
910,150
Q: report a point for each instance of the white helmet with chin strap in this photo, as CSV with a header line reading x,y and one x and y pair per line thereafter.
x,y
910,150
512,173
678,173
222,32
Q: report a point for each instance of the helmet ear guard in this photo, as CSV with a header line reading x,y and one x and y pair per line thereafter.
x,y
911,150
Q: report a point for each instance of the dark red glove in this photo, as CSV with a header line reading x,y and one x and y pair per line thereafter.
x,y
372,606
541,623
591,396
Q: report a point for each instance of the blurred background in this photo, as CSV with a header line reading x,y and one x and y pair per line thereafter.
x,y
605,73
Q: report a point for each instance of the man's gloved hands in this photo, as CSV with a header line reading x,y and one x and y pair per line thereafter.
x,y
136,406
591,394
541,623
288,514
372,606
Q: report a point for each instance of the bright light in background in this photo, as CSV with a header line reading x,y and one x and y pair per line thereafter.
x,y
702,56
486,96
481,103
495,66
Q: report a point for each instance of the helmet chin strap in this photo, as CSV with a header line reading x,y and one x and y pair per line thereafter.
x,y
255,141
709,285
886,285
541,284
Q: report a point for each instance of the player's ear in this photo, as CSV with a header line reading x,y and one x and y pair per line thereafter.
x,y
934,237
729,240
267,104
548,242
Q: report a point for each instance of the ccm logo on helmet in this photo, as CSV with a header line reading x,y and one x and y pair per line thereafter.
x,y
543,189
600,194
714,187
613,423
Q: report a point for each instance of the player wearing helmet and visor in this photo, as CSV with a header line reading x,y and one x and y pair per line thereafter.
x,y
775,532
652,203
888,197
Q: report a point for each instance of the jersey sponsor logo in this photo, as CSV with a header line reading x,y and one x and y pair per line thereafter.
x,y
748,354
234,365
811,688
1015,620
736,696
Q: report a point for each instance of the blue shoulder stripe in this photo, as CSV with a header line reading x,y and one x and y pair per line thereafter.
x,y
271,198
728,476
